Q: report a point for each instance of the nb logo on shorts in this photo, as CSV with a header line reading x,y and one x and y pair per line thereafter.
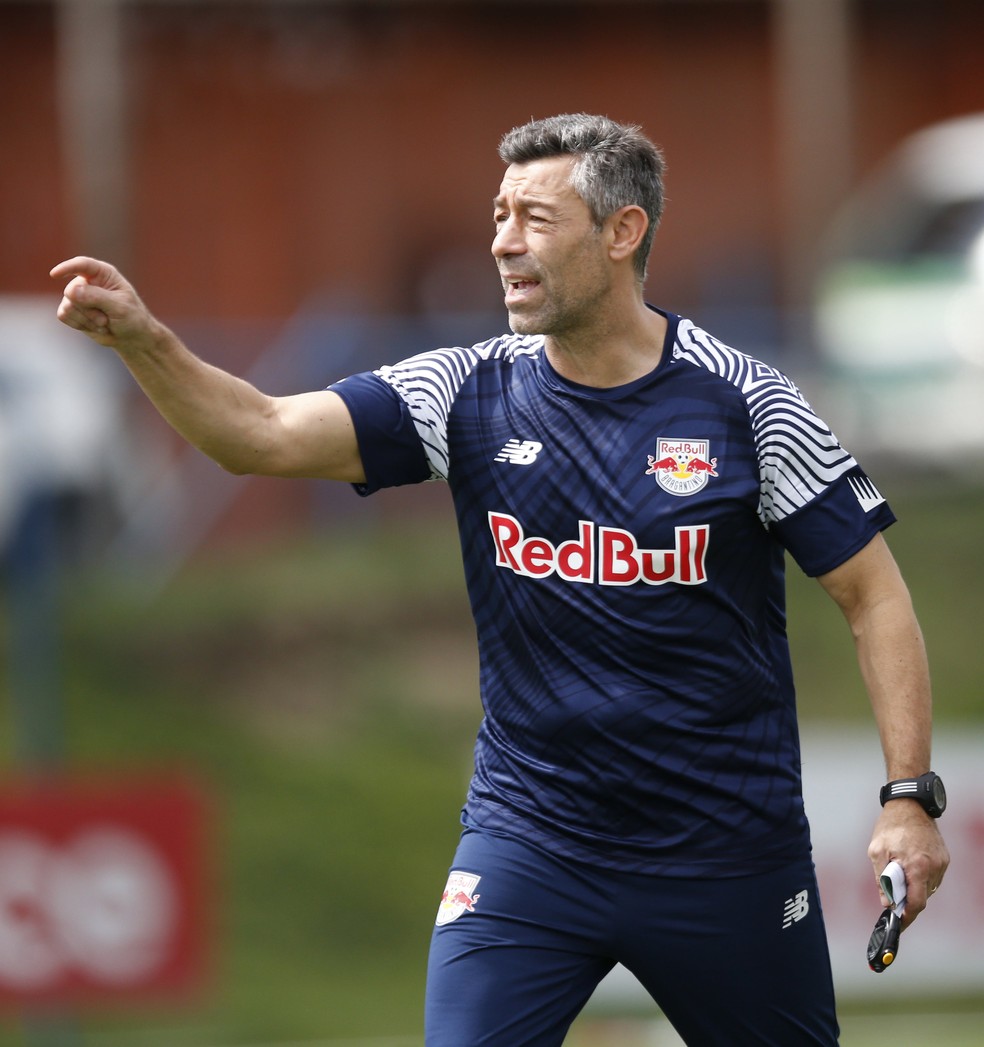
x,y
795,909
519,452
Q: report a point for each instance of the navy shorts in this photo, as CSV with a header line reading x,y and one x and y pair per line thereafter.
x,y
522,939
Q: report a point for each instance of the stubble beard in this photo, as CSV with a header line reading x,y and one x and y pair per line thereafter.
x,y
560,320
569,307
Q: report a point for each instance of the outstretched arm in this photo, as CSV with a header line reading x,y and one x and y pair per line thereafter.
x,y
873,596
244,430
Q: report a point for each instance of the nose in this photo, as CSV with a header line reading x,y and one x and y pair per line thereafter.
x,y
508,239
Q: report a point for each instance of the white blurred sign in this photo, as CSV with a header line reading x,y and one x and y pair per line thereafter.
x,y
102,903
104,889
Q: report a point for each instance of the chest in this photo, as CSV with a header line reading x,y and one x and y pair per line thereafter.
x,y
673,454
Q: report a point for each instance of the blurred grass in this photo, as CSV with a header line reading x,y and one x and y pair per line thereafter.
x,y
941,1028
937,545
327,693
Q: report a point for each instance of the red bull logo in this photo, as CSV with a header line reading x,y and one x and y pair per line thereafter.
x,y
604,555
458,898
681,467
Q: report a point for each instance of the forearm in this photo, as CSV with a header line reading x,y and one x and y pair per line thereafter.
x,y
892,658
244,430
871,593
222,415
893,663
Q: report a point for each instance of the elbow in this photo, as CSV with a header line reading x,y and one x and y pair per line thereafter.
x,y
242,454
236,464
234,468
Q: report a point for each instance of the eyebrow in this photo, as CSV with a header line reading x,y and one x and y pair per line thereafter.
x,y
525,200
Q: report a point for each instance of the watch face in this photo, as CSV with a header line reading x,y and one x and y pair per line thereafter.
x,y
939,793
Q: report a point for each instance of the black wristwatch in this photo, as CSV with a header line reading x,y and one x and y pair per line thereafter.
x,y
927,790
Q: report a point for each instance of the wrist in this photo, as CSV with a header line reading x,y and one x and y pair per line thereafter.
x,y
149,339
926,790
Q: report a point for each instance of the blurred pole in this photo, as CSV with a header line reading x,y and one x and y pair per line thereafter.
x,y
814,83
34,605
34,608
91,75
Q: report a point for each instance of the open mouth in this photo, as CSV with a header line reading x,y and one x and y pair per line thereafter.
x,y
518,288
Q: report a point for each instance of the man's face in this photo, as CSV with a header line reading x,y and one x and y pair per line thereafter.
x,y
551,258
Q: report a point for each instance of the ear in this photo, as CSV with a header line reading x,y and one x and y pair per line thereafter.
x,y
627,226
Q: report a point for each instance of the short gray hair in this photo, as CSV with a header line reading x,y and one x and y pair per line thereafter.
x,y
615,165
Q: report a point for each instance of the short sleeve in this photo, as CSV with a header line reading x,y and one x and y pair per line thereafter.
x,y
389,445
835,525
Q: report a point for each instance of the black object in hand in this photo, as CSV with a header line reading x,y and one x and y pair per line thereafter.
x,y
883,945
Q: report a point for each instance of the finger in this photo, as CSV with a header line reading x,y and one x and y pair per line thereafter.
x,y
931,886
82,265
916,899
912,910
920,891
88,319
84,319
877,865
914,904
93,301
75,289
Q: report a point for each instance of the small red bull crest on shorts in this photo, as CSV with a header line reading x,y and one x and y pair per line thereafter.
x,y
458,898
681,467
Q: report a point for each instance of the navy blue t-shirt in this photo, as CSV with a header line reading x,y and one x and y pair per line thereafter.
x,y
624,555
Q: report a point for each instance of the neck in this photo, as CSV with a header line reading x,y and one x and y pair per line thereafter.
x,y
612,354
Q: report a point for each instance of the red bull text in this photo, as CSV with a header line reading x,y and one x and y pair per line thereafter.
x,y
603,555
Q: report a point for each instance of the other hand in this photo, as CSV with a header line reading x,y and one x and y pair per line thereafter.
x,y
905,833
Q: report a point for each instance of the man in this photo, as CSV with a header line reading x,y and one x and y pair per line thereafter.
x,y
625,487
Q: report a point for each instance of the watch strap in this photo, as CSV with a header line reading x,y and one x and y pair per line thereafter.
x,y
907,788
927,790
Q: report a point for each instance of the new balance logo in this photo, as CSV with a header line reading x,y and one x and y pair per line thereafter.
x,y
867,494
795,909
519,452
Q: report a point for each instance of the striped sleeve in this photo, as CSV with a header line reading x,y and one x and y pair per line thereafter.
x,y
814,496
799,457
429,383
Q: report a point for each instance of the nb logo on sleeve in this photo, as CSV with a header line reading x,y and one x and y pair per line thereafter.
x,y
519,452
